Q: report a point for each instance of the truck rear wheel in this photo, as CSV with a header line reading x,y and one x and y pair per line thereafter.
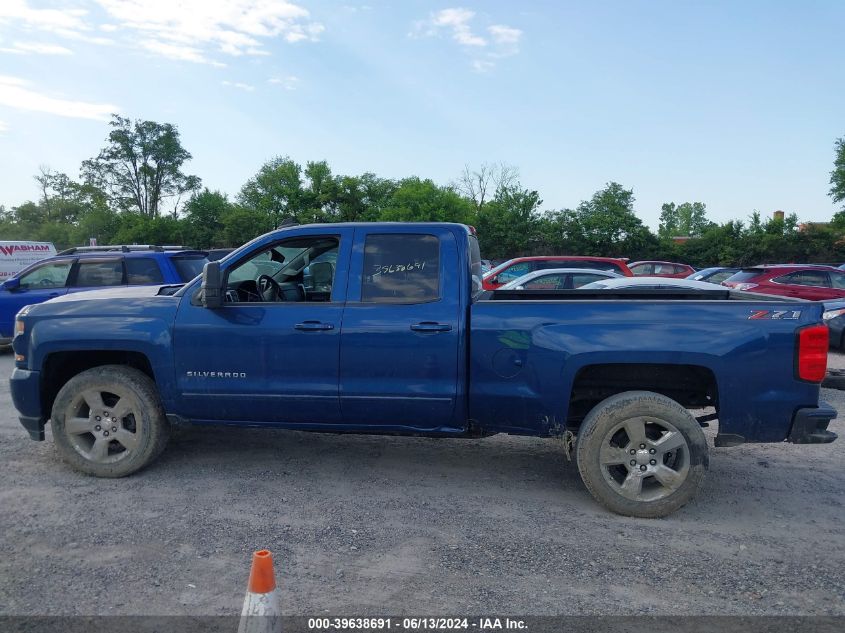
x,y
641,454
108,421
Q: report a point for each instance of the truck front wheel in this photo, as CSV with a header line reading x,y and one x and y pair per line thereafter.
x,y
108,421
641,454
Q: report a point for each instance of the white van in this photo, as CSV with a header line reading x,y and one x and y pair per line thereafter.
x,y
15,256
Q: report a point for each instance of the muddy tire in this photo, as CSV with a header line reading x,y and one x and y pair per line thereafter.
x,y
108,421
641,454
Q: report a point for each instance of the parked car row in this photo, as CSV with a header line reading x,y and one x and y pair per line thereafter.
x,y
814,282
513,269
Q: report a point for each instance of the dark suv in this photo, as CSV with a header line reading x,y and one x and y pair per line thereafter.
x,y
90,268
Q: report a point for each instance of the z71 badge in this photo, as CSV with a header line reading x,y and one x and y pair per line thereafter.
x,y
775,314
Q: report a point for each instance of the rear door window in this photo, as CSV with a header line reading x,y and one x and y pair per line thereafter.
x,y
93,274
816,278
142,270
580,279
401,269
643,269
554,281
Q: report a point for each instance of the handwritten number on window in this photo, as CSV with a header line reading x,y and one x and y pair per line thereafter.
x,y
380,269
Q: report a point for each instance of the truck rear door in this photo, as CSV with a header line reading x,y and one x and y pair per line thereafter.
x,y
400,341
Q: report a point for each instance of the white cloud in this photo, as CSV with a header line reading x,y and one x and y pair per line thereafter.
x,y
184,30
19,12
503,41
505,36
23,48
482,65
290,82
457,21
238,85
178,52
16,93
231,27
4,127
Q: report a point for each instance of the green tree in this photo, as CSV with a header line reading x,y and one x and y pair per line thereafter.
x,y
416,200
362,198
609,226
276,192
141,166
837,176
241,224
686,219
204,214
510,224
320,192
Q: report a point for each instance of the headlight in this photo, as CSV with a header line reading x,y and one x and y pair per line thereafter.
x,y
20,327
832,314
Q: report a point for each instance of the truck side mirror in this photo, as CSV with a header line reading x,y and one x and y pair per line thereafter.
x,y
211,290
11,284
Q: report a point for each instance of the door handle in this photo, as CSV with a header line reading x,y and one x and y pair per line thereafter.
x,y
430,326
313,326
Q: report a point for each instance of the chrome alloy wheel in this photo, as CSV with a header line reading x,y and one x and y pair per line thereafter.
x,y
102,425
644,458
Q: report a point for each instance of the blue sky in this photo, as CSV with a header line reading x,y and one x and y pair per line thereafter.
x,y
734,104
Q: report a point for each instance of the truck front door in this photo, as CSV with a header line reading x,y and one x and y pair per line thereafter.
x,y
270,352
400,341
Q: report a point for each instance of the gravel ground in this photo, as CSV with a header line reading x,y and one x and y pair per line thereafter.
x,y
366,524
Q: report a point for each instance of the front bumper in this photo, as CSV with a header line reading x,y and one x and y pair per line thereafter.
x,y
25,386
809,426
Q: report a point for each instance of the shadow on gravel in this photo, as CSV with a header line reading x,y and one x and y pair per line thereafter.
x,y
247,451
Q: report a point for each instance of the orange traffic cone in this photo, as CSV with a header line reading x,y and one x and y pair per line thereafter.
x,y
262,612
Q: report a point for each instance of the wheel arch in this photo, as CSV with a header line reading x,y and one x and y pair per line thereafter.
x,y
690,385
60,366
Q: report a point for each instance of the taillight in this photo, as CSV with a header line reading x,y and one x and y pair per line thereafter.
x,y
812,353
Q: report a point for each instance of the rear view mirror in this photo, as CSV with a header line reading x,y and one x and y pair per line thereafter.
x,y
211,291
11,284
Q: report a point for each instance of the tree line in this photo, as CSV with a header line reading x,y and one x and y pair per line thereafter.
x,y
136,191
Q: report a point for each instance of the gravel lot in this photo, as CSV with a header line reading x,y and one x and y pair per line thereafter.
x,y
365,524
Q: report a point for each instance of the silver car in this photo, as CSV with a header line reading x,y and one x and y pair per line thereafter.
x,y
558,279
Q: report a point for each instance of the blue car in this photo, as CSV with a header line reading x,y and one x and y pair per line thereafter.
x,y
89,268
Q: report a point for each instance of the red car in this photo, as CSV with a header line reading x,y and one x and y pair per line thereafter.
x,y
519,266
804,281
661,269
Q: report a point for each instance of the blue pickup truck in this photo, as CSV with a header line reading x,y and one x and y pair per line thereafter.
x,y
384,328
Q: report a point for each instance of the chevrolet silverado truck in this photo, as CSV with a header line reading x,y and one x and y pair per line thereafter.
x,y
385,328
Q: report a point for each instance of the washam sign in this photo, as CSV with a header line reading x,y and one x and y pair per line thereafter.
x,y
15,256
